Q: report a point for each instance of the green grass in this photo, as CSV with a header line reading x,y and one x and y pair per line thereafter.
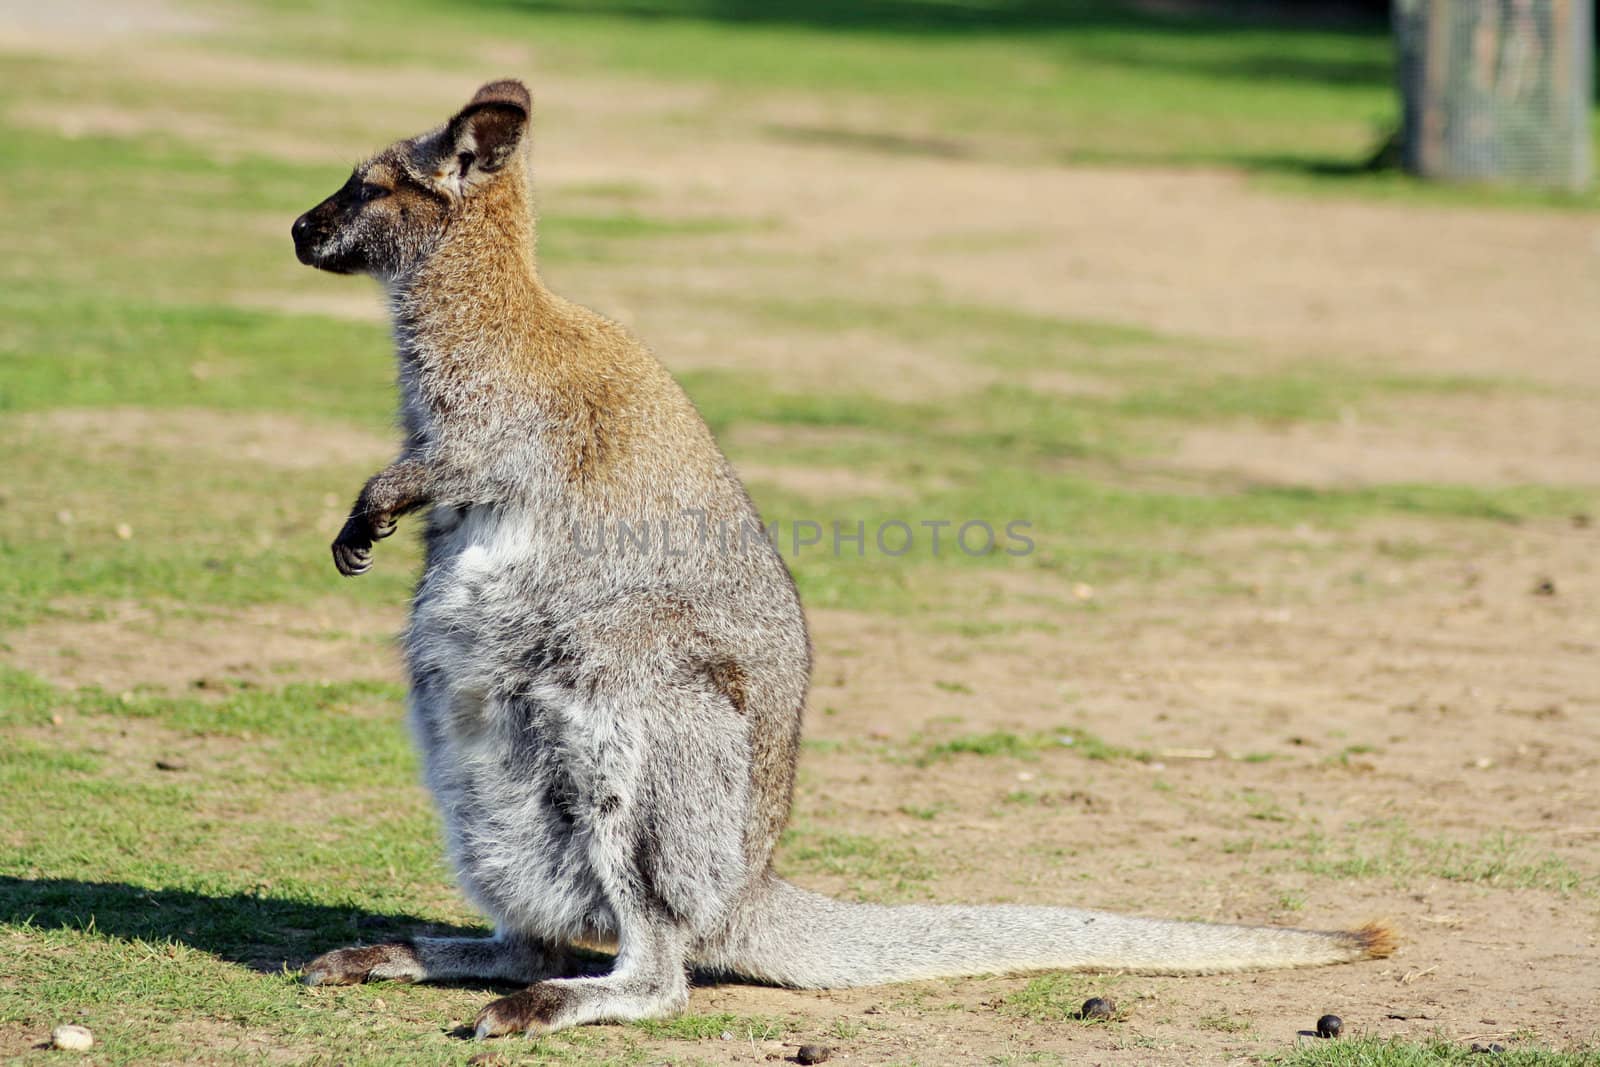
x,y
870,868
1088,80
707,1027
91,353
1396,852
204,530
1057,998
1380,1052
1083,81
1222,1023
1008,336
1011,745
631,224
1004,454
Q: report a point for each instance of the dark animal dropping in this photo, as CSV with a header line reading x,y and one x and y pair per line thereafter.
x,y
812,1054
1097,1008
1329,1026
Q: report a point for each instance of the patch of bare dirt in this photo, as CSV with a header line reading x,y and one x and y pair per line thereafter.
x,y
136,646
18,1039
822,482
1065,383
1352,703
144,750
283,442
220,139
1290,274
664,305
772,435
97,19
1504,441
355,303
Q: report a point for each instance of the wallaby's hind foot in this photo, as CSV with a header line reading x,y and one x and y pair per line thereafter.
x,y
564,1002
435,959
649,980
395,962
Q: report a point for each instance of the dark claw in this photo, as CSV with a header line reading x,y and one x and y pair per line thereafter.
x,y
350,559
352,549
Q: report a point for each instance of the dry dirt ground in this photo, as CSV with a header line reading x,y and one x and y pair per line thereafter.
x,y
1397,721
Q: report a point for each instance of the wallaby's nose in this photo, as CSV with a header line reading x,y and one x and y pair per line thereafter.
x,y
301,232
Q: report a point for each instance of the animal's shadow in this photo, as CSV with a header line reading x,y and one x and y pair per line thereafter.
x,y
268,934
261,931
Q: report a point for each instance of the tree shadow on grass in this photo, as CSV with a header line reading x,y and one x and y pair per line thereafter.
x,y
1314,166
968,16
1241,42
263,932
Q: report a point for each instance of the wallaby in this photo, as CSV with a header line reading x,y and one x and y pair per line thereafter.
x,y
611,733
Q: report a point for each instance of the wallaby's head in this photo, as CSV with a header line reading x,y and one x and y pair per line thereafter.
x,y
397,206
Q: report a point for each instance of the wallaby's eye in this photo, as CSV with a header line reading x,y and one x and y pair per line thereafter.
x,y
465,159
370,192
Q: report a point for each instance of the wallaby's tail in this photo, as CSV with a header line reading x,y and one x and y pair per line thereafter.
x,y
792,937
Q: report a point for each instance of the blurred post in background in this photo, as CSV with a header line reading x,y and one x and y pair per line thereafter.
x,y
1496,90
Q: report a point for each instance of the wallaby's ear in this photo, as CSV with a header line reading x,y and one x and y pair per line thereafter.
x,y
485,134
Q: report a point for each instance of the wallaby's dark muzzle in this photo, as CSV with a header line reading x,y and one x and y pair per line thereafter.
x,y
317,234
301,232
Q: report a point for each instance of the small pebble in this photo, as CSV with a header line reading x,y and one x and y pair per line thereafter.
x,y
727,1035
813,1054
124,532
72,1037
1329,1026
1097,1008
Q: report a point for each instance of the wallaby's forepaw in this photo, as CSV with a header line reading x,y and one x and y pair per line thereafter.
x,y
352,559
396,962
532,1009
352,549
